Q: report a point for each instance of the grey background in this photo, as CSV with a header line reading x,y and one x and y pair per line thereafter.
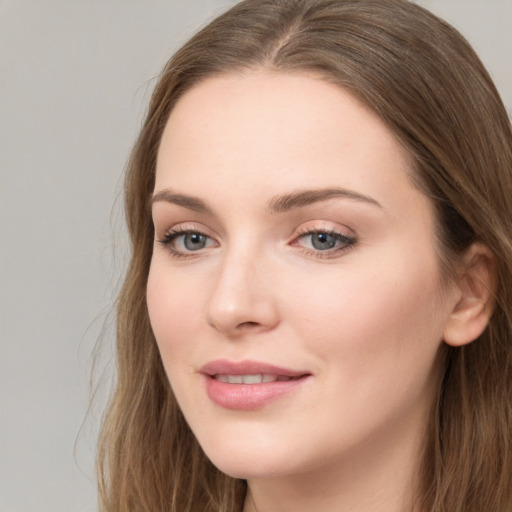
x,y
75,78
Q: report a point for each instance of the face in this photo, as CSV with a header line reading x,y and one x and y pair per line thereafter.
x,y
294,288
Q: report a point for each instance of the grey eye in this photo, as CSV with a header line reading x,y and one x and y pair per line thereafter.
x,y
323,241
194,241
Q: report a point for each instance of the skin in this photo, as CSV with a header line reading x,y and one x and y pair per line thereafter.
x,y
365,320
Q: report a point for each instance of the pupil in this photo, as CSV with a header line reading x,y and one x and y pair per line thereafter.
x,y
323,241
194,241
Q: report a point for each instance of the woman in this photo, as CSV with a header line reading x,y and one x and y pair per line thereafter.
x,y
316,313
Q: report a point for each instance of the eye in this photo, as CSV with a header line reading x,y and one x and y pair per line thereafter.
x,y
182,243
324,243
193,241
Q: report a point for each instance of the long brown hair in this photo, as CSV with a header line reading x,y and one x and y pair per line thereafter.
x,y
424,80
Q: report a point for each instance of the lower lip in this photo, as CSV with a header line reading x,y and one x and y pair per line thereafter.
x,y
246,397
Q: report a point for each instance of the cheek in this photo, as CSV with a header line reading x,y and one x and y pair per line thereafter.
x,y
375,338
388,312
174,309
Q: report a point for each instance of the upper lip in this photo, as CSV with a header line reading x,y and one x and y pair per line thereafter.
x,y
247,367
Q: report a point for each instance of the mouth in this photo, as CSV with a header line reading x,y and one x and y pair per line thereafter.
x,y
249,372
249,385
259,378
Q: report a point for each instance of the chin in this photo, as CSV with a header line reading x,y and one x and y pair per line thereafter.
x,y
249,461
248,469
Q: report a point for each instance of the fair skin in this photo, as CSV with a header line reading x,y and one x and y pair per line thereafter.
x,y
340,285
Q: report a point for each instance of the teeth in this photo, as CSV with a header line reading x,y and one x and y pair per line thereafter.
x,y
250,379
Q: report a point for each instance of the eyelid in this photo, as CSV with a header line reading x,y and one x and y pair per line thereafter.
x,y
324,227
183,227
167,239
336,230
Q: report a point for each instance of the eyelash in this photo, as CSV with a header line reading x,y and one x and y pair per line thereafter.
x,y
347,242
169,238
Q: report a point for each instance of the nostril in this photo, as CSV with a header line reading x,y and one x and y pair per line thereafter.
x,y
248,325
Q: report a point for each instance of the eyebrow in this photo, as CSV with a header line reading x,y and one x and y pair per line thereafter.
x,y
303,198
191,203
279,204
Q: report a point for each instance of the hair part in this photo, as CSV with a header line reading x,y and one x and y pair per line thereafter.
x,y
424,80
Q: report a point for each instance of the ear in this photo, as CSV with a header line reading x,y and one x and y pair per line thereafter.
x,y
476,285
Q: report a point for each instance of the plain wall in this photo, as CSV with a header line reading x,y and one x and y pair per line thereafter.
x,y
75,78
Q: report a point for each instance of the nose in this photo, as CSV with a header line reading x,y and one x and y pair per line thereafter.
x,y
243,299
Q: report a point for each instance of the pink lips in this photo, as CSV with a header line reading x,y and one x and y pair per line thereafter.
x,y
277,382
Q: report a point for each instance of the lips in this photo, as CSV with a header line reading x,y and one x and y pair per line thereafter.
x,y
225,367
248,385
251,379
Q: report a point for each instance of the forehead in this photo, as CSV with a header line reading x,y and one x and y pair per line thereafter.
x,y
267,130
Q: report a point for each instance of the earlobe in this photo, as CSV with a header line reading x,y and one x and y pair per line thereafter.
x,y
477,287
